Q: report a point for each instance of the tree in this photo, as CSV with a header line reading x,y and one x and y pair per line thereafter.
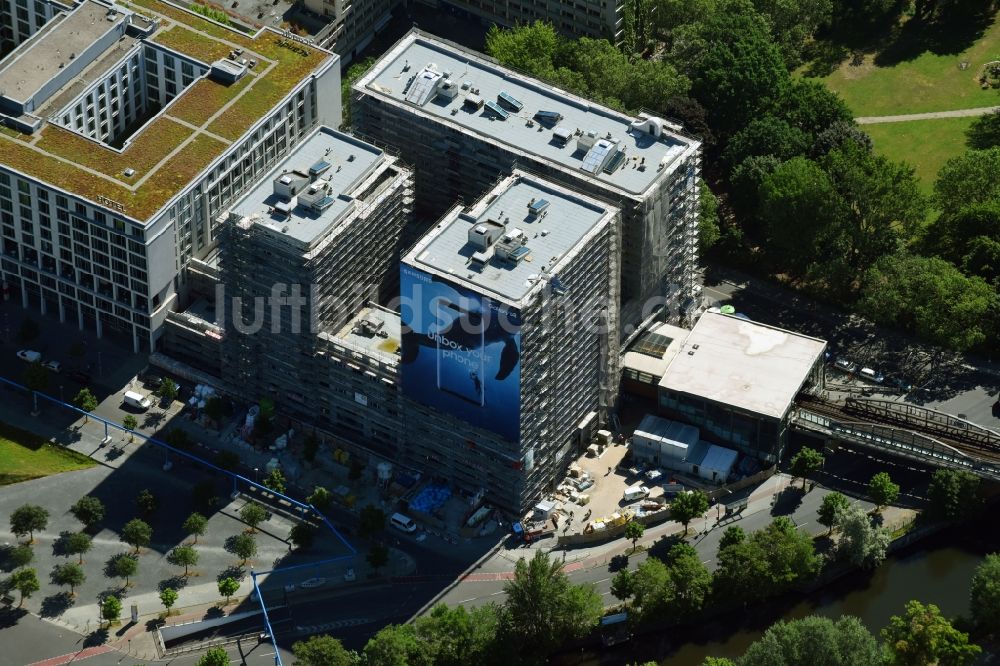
x,y
214,657
397,645
882,491
544,608
206,495
970,178
690,579
883,205
124,565
146,502
322,651
739,72
708,217
243,546
85,401
817,641
137,533
168,597
167,390
717,661
793,23
70,574
801,211
302,535
634,531
456,636
228,587
923,636
36,376
809,105
77,543
28,331
371,521
837,134
805,463
688,506
215,408
529,48
183,556
623,585
378,556
25,581
253,514
179,439
767,135
733,535
929,297
861,543
20,555
767,562
651,588
984,595
321,498
984,132
111,608
195,525
828,508
275,480
130,423
953,494
28,519
89,510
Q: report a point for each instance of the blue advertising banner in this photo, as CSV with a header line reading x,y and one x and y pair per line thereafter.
x,y
460,352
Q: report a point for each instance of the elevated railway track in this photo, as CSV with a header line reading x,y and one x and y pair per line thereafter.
x,y
910,431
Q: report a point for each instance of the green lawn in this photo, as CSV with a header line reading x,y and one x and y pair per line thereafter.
x,y
24,456
923,144
928,82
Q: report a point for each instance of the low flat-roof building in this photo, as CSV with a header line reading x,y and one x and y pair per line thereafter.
x,y
647,357
463,121
679,447
737,379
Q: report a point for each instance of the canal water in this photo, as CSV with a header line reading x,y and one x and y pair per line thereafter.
x,y
936,570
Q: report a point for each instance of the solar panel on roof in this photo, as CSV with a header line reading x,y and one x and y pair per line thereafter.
x,y
497,110
319,168
538,206
514,104
615,162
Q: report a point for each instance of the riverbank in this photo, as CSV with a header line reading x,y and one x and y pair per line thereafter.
x,y
933,564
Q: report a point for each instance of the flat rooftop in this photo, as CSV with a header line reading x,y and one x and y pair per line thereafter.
x,y
198,126
374,330
347,161
652,351
65,36
549,237
744,364
392,78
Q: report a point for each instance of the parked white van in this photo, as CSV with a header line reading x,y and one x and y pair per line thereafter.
x,y
136,400
404,523
636,493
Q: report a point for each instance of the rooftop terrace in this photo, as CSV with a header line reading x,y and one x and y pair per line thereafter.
x,y
326,156
535,226
488,100
193,130
374,330
744,364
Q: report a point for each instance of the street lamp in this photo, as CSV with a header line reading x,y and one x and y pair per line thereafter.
x,y
255,470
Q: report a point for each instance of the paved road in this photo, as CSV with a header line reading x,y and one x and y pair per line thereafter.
x,y
960,113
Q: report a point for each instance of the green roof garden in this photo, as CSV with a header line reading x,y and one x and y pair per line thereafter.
x,y
187,135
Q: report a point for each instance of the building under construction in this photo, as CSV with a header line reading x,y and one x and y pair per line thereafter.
x,y
462,120
303,252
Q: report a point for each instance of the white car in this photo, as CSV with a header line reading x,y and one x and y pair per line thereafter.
x,y
54,366
312,582
29,356
653,474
